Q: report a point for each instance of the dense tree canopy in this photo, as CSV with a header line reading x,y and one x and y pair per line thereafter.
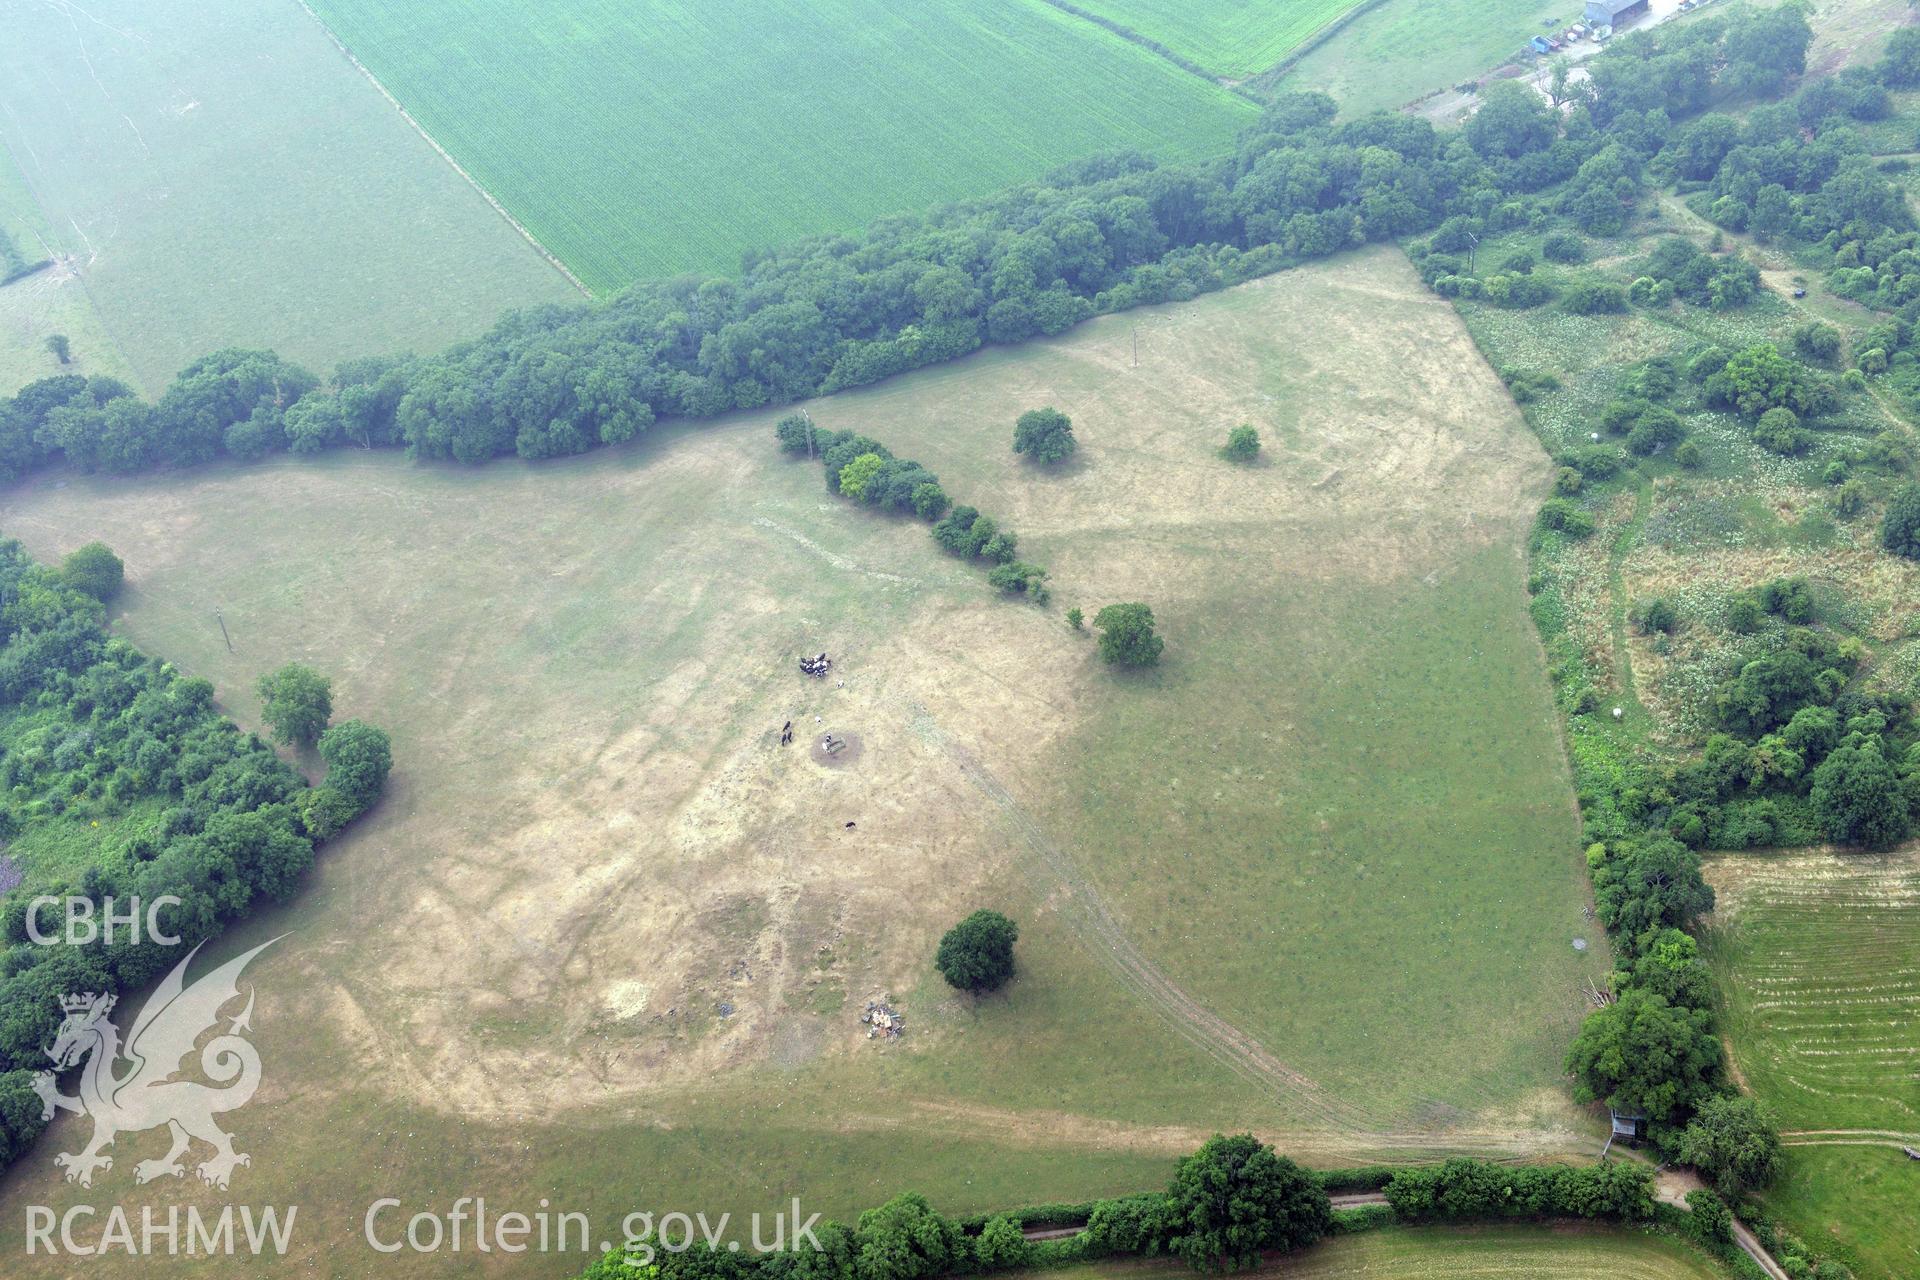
x,y
173,798
1643,1056
1733,1141
1860,797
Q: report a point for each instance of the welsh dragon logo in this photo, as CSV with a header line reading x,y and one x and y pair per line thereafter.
x,y
145,1096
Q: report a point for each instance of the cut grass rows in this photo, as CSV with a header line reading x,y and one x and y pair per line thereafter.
x,y
1817,958
1822,969
648,139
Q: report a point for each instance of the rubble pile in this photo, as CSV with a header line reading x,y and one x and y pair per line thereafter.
x,y
882,1019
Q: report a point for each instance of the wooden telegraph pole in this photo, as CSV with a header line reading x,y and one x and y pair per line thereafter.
x,y
223,630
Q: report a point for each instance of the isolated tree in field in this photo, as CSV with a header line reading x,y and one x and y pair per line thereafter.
x,y
60,348
1900,529
358,757
1642,1056
1733,1141
299,702
1234,1198
977,954
1126,635
1243,444
94,570
1076,619
1045,435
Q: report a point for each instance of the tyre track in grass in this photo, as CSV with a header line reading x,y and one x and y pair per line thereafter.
x,y
1092,919
1850,1138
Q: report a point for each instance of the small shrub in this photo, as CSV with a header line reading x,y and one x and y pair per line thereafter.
x,y
1528,385
1566,517
1243,444
1657,614
1900,528
1590,298
1564,247
1817,341
1850,499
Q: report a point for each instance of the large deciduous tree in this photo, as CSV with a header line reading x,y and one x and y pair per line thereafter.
x,y
1642,1056
1234,1198
977,954
1858,796
1127,638
94,570
1733,1141
1045,435
358,757
299,702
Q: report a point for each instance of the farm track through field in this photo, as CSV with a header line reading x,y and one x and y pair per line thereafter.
x,y
1849,1138
1094,921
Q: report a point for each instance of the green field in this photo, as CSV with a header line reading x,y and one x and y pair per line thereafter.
x,y
1335,825
652,138
51,301
216,174
1404,49
1818,959
1234,39
1509,1253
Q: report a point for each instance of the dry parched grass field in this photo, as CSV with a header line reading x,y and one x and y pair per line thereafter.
x,y
604,941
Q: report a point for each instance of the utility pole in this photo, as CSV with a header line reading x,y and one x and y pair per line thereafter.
x,y
223,630
1136,346
809,418
1473,249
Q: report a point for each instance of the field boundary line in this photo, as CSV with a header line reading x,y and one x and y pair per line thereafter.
x,y
1270,79
1225,1043
446,155
1154,47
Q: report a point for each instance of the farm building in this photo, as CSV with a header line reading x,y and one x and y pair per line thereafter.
x,y
1614,13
